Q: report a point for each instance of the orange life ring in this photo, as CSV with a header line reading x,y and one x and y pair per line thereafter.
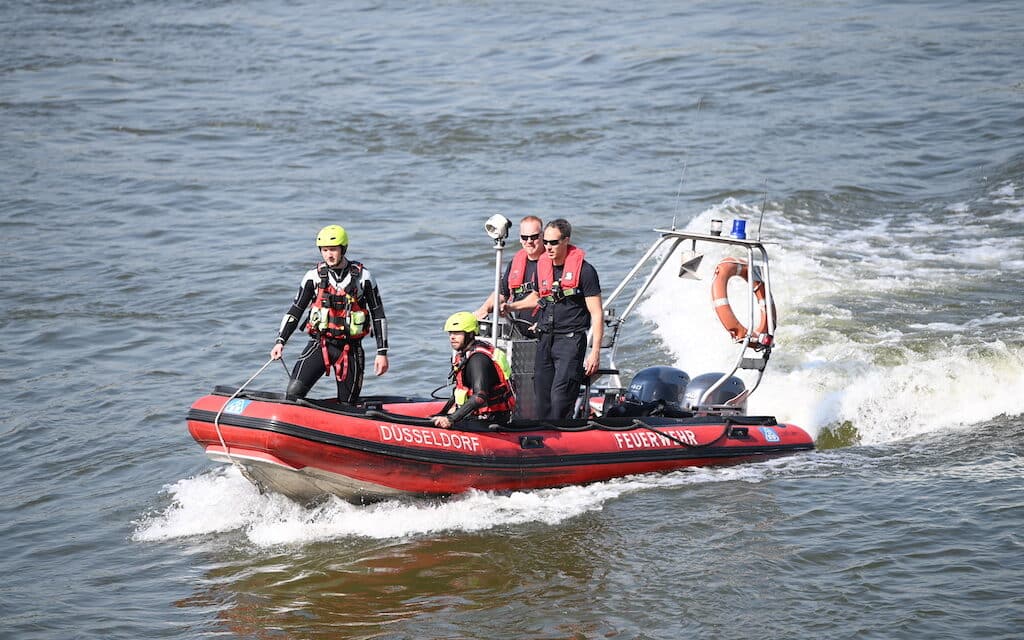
x,y
727,269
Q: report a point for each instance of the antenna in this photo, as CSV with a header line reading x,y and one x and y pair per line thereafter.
x,y
686,161
764,204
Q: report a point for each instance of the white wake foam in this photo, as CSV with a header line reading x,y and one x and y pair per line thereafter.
x,y
223,501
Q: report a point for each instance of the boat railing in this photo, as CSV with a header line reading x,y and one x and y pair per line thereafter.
x,y
754,350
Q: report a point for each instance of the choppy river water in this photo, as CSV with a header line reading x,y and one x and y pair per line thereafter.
x,y
165,167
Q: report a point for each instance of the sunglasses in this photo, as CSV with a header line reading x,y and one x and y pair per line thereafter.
x,y
552,243
531,237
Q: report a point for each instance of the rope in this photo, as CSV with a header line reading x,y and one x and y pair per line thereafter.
x,y
216,419
640,425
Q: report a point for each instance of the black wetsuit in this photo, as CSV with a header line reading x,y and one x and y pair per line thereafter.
x,y
310,366
561,349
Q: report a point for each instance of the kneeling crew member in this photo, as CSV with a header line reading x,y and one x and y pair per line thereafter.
x,y
480,373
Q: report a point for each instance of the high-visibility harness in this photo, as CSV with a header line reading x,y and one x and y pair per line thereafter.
x,y
499,399
338,314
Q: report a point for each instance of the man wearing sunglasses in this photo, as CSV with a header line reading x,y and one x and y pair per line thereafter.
x,y
570,303
519,282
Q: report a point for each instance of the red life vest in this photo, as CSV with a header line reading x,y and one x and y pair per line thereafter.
x,y
517,286
570,280
517,273
499,399
338,313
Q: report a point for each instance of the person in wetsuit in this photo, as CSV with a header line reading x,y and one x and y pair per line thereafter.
x,y
480,373
344,306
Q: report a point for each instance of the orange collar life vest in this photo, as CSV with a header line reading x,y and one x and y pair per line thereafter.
x,y
568,284
337,313
517,273
501,398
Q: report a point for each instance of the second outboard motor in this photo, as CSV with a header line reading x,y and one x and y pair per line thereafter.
x,y
654,391
731,388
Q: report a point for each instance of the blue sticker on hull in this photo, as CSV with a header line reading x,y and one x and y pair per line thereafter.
x,y
770,435
236,406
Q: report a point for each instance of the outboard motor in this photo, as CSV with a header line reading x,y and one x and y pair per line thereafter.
x,y
658,383
654,391
716,403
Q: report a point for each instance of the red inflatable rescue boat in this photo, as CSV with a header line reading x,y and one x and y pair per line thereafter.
x,y
387,446
307,449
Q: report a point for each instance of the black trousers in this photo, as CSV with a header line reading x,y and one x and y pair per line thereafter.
x,y
558,373
310,367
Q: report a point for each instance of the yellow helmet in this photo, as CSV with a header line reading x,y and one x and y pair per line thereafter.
x,y
462,321
332,236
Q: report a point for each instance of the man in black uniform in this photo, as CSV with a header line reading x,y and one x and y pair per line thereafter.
x,y
570,299
345,306
480,374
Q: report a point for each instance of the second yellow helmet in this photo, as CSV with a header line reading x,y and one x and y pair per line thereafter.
x,y
462,321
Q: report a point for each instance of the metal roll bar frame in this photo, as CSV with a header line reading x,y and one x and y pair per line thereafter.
x,y
757,271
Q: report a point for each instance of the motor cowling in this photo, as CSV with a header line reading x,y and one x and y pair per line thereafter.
x,y
658,383
717,401
653,391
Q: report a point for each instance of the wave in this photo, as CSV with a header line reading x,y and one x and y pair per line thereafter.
x,y
222,501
